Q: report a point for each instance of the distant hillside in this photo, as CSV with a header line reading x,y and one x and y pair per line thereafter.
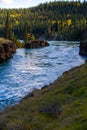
x,y
54,20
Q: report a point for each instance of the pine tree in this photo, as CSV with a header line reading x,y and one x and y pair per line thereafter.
x,y
7,27
25,33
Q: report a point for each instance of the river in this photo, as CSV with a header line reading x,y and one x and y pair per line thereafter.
x,y
31,69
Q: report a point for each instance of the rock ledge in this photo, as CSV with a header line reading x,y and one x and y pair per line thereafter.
x,y
7,49
36,44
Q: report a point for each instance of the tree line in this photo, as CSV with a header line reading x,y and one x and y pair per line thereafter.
x,y
53,20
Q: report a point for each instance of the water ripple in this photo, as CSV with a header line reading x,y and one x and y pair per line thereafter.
x,y
33,68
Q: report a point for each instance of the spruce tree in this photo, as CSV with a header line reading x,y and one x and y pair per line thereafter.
x,y
25,33
7,27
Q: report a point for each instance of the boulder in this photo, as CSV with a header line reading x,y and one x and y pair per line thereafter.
x,y
7,49
83,48
53,110
36,44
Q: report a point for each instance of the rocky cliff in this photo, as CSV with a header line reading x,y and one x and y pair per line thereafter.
x,y
83,48
36,44
7,48
83,44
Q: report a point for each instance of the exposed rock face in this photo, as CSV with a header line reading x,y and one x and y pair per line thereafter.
x,y
83,43
83,48
7,48
36,44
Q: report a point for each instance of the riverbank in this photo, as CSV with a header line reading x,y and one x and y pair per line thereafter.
x,y
60,106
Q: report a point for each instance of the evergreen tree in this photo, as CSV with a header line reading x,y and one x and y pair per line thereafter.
x,y
65,19
7,27
25,33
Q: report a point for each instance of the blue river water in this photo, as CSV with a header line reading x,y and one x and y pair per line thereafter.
x,y
31,69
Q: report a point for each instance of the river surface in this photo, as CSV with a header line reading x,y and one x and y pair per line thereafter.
x,y
31,69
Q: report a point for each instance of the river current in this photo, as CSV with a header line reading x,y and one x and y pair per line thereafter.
x,y
31,69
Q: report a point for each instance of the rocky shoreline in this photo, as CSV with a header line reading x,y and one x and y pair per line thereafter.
x,y
7,49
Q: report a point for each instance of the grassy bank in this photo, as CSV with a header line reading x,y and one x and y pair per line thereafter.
x,y
60,106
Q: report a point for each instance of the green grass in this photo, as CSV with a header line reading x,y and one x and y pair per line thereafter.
x,y
68,94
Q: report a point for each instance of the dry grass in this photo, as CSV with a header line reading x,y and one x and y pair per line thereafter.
x,y
3,40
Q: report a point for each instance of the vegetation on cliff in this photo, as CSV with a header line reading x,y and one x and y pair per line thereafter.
x,y
58,20
60,106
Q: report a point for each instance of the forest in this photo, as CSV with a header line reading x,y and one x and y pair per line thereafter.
x,y
52,21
